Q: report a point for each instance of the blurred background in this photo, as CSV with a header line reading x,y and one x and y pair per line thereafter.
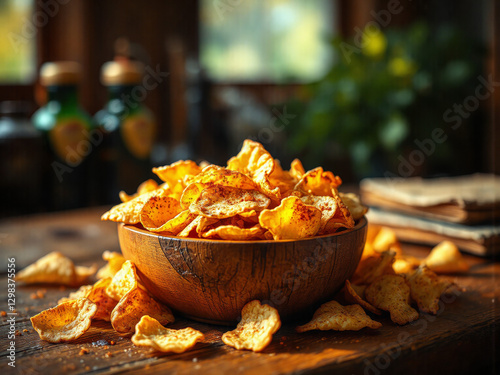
x,y
363,88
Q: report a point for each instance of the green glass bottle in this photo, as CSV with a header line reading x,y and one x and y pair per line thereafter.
x,y
68,135
128,129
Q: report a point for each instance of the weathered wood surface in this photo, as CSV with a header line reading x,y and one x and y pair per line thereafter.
x,y
462,338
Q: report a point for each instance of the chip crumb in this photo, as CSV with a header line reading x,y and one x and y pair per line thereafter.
x,y
111,342
18,333
83,351
3,313
25,330
87,368
108,355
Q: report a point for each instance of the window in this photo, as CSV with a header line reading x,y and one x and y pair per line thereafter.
x,y
17,45
266,40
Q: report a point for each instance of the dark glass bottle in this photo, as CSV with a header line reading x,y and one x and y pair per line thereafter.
x,y
128,129
69,137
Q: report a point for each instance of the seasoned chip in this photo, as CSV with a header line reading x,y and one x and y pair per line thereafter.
x,y
133,306
124,280
354,205
146,187
82,274
426,288
105,304
53,268
149,332
333,316
386,240
191,227
373,266
354,294
256,328
158,211
232,232
83,291
446,258
283,180
254,161
224,201
297,169
392,293
341,219
327,206
65,322
115,261
178,223
177,173
130,212
319,182
292,219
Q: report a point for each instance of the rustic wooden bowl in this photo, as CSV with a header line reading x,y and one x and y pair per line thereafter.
x,y
211,280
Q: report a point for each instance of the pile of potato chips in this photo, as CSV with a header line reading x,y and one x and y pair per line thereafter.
x,y
251,198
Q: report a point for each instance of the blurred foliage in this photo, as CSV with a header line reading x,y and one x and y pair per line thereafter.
x,y
384,90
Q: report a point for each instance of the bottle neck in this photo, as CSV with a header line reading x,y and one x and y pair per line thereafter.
x,y
67,95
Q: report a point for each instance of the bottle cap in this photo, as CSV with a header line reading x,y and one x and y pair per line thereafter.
x,y
121,72
60,73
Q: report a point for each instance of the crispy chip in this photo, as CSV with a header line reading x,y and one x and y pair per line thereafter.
x,y
283,180
234,233
146,187
177,173
392,293
65,322
341,219
354,294
373,266
256,328
149,332
319,182
354,205
133,306
333,316
297,170
82,274
426,288
115,261
224,201
292,219
386,240
105,304
446,258
405,264
130,212
124,281
158,211
83,291
254,161
327,206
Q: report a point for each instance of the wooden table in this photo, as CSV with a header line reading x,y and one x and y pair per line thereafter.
x,y
462,338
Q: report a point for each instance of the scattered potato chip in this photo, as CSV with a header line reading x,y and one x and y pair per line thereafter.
x,y
105,304
149,332
319,182
333,316
146,187
405,264
371,267
426,288
133,306
354,205
55,268
83,291
292,219
124,281
65,322
177,173
234,233
157,211
130,212
354,294
386,240
254,161
256,328
115,261
224,201
446,258
392,293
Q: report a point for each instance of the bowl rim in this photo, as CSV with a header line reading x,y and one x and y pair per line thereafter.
x,y
360,224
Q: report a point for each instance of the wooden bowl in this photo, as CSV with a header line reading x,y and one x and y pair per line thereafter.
x,y
211,280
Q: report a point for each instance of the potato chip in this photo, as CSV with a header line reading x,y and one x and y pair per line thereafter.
x,y
224,201
333,316
191,227
371,267
426,288
392,293
115,261
341,219
105,304
354,205
256,328
124,281
177,173
283,180
54,268
234,233
149,332
130,212
405,264
146,187
65,322
327,206
133,306
386,240
83,291
292,219
157,211
446,258
319,182
254,161
297,170
354,294
178,223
